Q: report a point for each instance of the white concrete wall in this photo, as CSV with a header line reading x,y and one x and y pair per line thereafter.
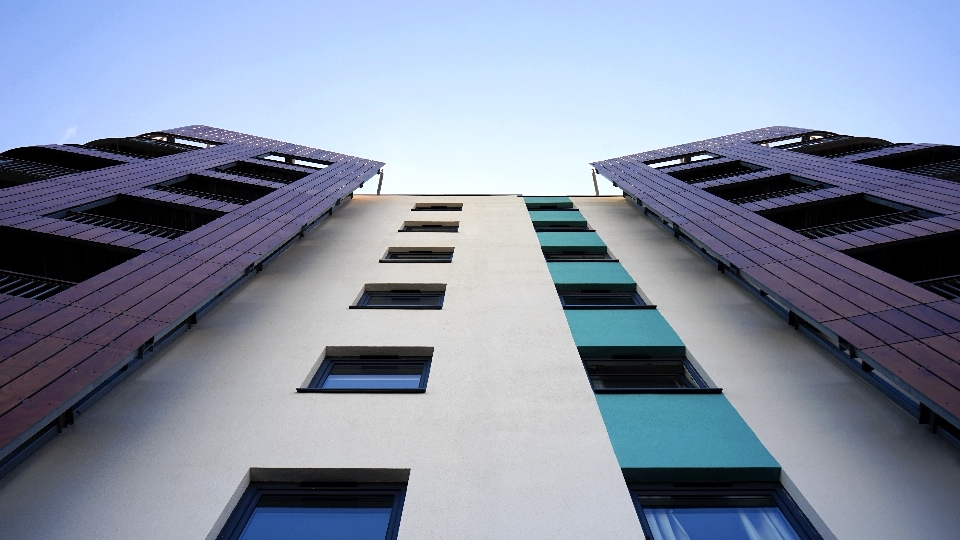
x,y
507,442
867,468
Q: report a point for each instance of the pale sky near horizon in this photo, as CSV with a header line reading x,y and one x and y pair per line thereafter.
x,y
479,97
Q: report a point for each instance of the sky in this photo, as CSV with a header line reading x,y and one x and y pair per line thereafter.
x,y
479,97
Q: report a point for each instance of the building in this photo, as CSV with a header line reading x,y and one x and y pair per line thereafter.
x,y
478,366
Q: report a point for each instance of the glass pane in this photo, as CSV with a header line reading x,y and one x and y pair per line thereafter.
x,y
372,381
275,523
639,381
719,524
402,300
623,374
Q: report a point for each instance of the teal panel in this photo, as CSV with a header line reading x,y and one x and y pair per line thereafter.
x,y
557,217
591,275
559,202
599,332
559,241
683,437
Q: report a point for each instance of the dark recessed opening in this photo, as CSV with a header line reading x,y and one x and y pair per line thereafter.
x,y
715,172
418,255
932,262
841,146
437,207
766,188
142,216
32,163
561,227
401,299
573,256
137,147
262,172
843,215
413,226
36,265
597,299
639,374
215,188
938,162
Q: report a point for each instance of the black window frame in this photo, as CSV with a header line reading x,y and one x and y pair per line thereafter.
x,y
572,255
362,302
559,227
633,295
255,492
430,227
437,207
700,492
445,256
702,386
326,367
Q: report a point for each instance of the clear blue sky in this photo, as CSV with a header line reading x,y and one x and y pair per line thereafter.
x,y
485,97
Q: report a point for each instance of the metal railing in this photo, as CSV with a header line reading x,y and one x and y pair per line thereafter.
x,y
863,224
124,225
28,286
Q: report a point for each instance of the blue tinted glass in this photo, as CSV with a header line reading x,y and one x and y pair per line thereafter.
x,y
719,524
317,524
372,381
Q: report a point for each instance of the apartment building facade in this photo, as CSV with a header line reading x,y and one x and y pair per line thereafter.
x,y
388,366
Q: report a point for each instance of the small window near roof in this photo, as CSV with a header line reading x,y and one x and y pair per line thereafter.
x,y
601,299
430,226
711,510
401,296
428,206
371,374
639,375
316,510
418,255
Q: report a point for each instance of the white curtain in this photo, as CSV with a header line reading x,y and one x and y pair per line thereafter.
x,y
755,523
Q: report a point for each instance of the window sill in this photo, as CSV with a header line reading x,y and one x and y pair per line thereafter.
x,y
651,306
412,261
361,390
396,307
658,390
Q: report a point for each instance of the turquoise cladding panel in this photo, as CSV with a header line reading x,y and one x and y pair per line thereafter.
x,y
590,275
560,241
683,437
601,332
557,217
556,202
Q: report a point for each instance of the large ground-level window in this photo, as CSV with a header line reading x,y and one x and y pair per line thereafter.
x,y
720,511
300,511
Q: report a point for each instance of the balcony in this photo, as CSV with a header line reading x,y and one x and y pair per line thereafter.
x,y
938,162
715,172
143,216
38,266
262,172
33,163
215,189
138,147
931,262
766,188
842,215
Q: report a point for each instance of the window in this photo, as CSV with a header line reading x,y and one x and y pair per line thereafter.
x,y
311,510
294,160
371,374
401,296
601,299
715,172
447,207
418,255
843,215
766,188
562,227
262,172
139,215
216,189
430,226
637,374
717,510
578,255
680,160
